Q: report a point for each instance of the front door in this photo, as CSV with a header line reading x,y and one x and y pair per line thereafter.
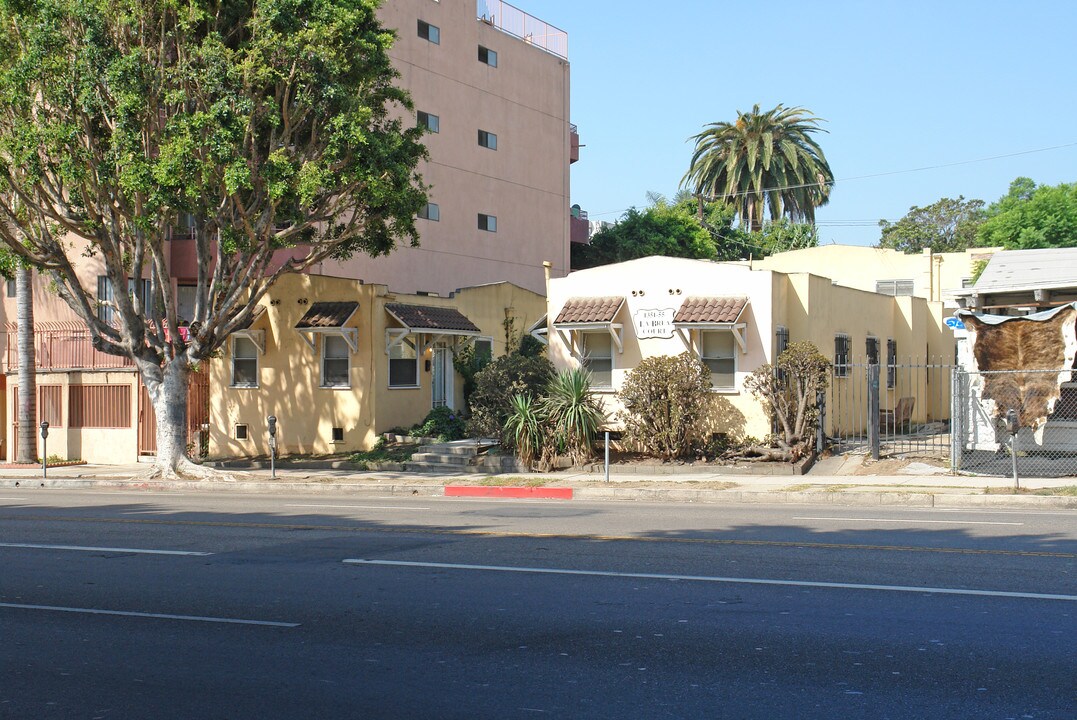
x,y
443,377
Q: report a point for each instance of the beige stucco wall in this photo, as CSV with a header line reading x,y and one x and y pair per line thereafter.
x,y
290,371
524,182
861,267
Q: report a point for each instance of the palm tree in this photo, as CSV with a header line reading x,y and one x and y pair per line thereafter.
x,y
765,161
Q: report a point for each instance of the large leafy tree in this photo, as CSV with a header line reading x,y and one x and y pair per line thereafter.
x,y
764,162
1031,216
272,124
946,225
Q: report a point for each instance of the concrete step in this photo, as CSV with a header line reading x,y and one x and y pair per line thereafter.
x,y
440,469
442,458
458,447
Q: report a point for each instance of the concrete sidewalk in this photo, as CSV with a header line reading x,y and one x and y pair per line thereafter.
x,y
911,489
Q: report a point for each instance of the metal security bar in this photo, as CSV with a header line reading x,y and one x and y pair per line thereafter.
x,y
994,412
890,409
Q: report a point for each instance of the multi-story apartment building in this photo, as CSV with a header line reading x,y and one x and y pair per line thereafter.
x,y
491,83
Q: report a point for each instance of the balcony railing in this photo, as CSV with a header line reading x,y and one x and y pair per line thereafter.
x,y
514,21
61,346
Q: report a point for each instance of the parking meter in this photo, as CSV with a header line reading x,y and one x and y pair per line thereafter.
x,y
272,420
44,448
1012,426
1011,421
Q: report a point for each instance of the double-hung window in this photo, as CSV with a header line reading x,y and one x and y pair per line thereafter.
x,y
403,364
718,351
244,362
841,355
597,358
336,361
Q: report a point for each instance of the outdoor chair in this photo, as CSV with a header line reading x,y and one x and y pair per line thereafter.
x,y
900,418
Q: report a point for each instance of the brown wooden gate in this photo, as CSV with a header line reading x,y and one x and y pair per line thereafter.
x,y
197,417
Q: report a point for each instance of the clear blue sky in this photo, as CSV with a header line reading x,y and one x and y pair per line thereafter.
x,y
902,85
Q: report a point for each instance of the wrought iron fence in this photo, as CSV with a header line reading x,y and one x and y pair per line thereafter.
x,y
890,410
1020,423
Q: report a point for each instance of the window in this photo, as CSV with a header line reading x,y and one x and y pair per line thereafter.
x,y
106,313
598,358
487,139
841,355
430,211
244,362
429,32
11,288
241,432
428,121
718,352
487,223
403,364
781,344
891,363
99,406
336,361
484,349
894,287
488,56
872,350
338,435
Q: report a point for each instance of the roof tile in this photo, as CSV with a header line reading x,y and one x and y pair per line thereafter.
x,y
589,310
327,315
427,317
710,310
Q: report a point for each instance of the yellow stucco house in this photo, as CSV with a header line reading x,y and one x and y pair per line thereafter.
x,y
734,318
338,362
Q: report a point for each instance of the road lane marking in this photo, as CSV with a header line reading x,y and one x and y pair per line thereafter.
x,y
910,520
82,548
705,578
433,530
360,507
154,616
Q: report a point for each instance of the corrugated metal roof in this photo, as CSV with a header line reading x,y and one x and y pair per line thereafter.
x,y
589,310
327,315
710,310
428,317
1027,270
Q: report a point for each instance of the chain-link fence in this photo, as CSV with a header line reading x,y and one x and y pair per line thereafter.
x,y
891,410
1022,422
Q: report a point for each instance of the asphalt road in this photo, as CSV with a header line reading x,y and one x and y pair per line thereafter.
x,y
155,605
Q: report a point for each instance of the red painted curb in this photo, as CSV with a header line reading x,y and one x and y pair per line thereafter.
x,y
508,492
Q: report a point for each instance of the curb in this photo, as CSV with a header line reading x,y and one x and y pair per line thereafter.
x,y
550,493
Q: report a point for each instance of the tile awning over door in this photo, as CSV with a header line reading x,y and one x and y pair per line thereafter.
x,y
429,318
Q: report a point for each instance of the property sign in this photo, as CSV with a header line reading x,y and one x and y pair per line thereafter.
x,y
654,323
956,324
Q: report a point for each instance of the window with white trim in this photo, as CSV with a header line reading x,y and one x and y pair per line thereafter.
x,y
841,355
336,361
597,358
404,364
244,362
429,32
718,351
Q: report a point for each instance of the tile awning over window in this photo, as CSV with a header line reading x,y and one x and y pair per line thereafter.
x,y
710,310
329,318
258,311
589,310
326,315
423,318
258,337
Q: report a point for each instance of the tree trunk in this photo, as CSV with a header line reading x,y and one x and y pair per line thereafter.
x,y
168,387
27,410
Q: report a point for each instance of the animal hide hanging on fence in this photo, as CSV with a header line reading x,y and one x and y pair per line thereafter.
x,y
1010,357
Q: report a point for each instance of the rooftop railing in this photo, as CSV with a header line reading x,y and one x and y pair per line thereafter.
x,y
514,21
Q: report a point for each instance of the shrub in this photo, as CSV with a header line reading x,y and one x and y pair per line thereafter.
x,y
788,390
525,428
573,413
442,423
665,399
469,363
495,386
530,347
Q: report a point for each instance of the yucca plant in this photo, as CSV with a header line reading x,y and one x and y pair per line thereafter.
x,y
524,426
573,413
